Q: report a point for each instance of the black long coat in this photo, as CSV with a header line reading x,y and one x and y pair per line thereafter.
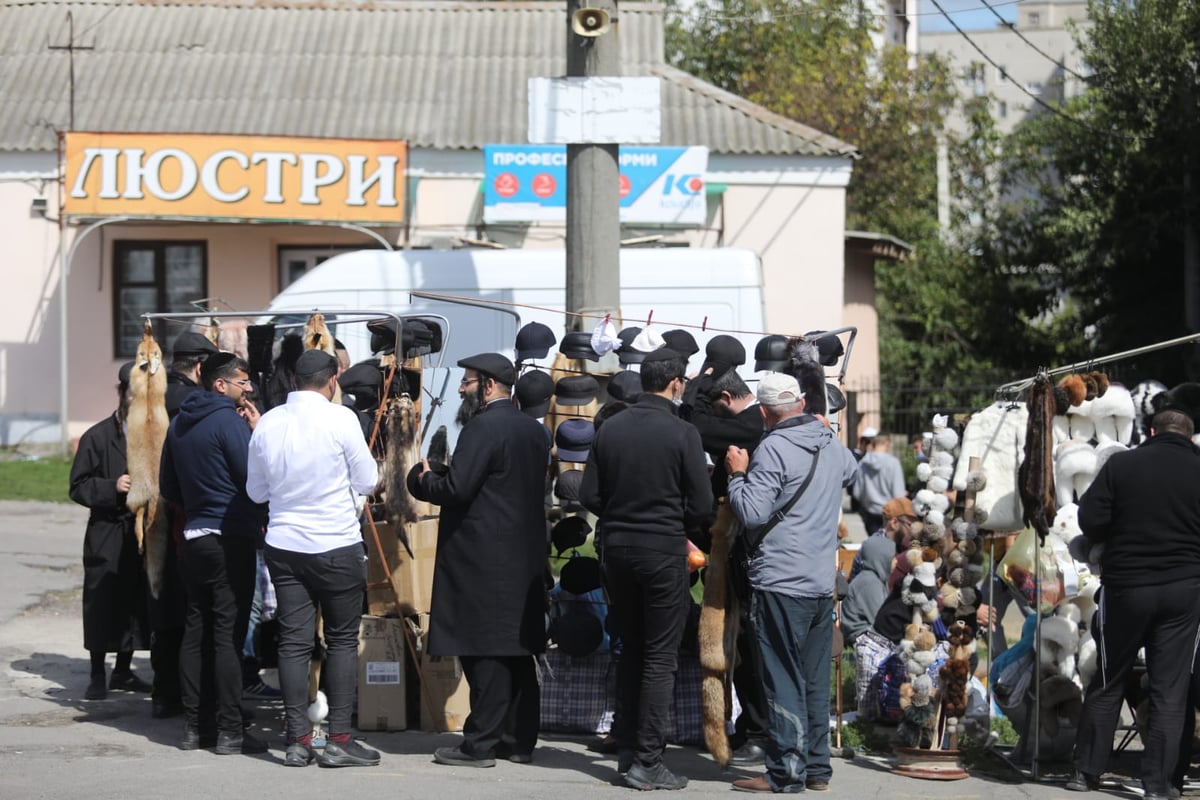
x,y
114,587
488,592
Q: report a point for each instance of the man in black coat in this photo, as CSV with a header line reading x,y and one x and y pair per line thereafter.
x,y
1144,509
114,585
489,600
647,482
726,414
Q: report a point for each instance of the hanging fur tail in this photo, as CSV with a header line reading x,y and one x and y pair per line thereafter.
x,y
403,452
318,337
156,537
718,636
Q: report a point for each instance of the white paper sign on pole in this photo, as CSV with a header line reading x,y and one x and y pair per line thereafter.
x,y
595,110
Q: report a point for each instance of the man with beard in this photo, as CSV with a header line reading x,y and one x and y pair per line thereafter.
x,y
114,612
647,482
489,602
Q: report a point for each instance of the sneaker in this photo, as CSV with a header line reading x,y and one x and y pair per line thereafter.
x,y
95,689
455,757
624,760
128,682
261,691
656,777
505,750
347,754
816,785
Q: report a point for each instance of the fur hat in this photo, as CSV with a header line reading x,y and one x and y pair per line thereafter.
x,y
1070,391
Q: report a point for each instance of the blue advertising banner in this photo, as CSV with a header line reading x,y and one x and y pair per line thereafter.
x,y
528,183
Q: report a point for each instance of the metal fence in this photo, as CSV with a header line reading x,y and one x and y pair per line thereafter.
x,y
905,411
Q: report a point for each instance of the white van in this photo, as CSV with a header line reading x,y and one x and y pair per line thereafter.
x,y
705,291
699,289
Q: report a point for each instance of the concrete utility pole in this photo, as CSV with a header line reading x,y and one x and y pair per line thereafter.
x,y
593,210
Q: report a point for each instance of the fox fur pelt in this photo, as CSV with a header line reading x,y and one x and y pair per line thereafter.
x,y
718,636
404,450
318,337
146,429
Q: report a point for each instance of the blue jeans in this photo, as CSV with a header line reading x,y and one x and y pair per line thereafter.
x,y
795,635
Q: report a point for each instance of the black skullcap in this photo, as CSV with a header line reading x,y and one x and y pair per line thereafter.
x,y
662,354
311,362
578,344
215,363
681,342
415,488
771,354
581,575
493,365
829,347
577,390
190,343
534,390
625,385
576,635
569,533
534,340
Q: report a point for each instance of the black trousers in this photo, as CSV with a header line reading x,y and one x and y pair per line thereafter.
x,y
505,704
333,581
648,593
168,614
751,724
1165,619
218,571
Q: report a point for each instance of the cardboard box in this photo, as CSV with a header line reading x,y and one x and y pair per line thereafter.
x,y
408,579
444,696
382,652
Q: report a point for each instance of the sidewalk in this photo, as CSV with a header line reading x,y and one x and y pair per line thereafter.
x,y
55,745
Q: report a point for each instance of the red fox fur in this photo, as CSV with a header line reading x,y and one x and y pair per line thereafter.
x,y
145,432
718,636
318,337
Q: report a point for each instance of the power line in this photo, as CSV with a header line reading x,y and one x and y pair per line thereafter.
x,y
1012,27
1004,75
693,14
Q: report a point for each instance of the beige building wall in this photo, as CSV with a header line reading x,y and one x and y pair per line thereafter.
x,y
793,219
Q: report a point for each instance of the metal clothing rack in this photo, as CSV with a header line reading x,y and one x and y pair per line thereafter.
x,y
1012,389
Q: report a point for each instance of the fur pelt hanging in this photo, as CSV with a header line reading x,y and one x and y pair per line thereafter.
x,y
1036,475
318,337
718,635
146,429
808,372
404,450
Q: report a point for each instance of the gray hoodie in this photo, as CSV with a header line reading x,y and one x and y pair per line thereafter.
x,y
868,590
798,556
880,478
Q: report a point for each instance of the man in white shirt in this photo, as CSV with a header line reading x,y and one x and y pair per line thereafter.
x,y
309,461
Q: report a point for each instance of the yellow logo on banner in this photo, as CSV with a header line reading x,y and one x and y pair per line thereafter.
x,y
234,177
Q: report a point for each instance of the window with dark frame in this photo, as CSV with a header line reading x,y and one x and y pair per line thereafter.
x,y
150,277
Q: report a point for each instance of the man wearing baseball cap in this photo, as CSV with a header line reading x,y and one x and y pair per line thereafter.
x,y
488,604
788,497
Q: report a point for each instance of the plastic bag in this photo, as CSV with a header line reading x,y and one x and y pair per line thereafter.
x,y
1017,570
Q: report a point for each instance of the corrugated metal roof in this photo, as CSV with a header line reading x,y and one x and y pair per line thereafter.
x,y
443,75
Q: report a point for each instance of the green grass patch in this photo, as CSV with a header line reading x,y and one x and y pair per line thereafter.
x,y
45,479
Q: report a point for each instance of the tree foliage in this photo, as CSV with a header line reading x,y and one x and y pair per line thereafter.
x,y
951,314
1107,190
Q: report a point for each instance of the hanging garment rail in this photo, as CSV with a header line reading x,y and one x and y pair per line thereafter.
x,y
1015,387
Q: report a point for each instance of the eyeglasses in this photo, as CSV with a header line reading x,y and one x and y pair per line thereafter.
x,y
242,382
683,378
465,382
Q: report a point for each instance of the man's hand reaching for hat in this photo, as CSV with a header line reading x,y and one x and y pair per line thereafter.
x,y
736,460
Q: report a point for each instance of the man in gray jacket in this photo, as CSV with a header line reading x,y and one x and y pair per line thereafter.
x,y
792,577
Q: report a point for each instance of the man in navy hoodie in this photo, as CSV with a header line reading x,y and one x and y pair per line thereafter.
x,y
203,470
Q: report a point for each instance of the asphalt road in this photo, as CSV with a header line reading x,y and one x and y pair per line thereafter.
x,y
53,744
